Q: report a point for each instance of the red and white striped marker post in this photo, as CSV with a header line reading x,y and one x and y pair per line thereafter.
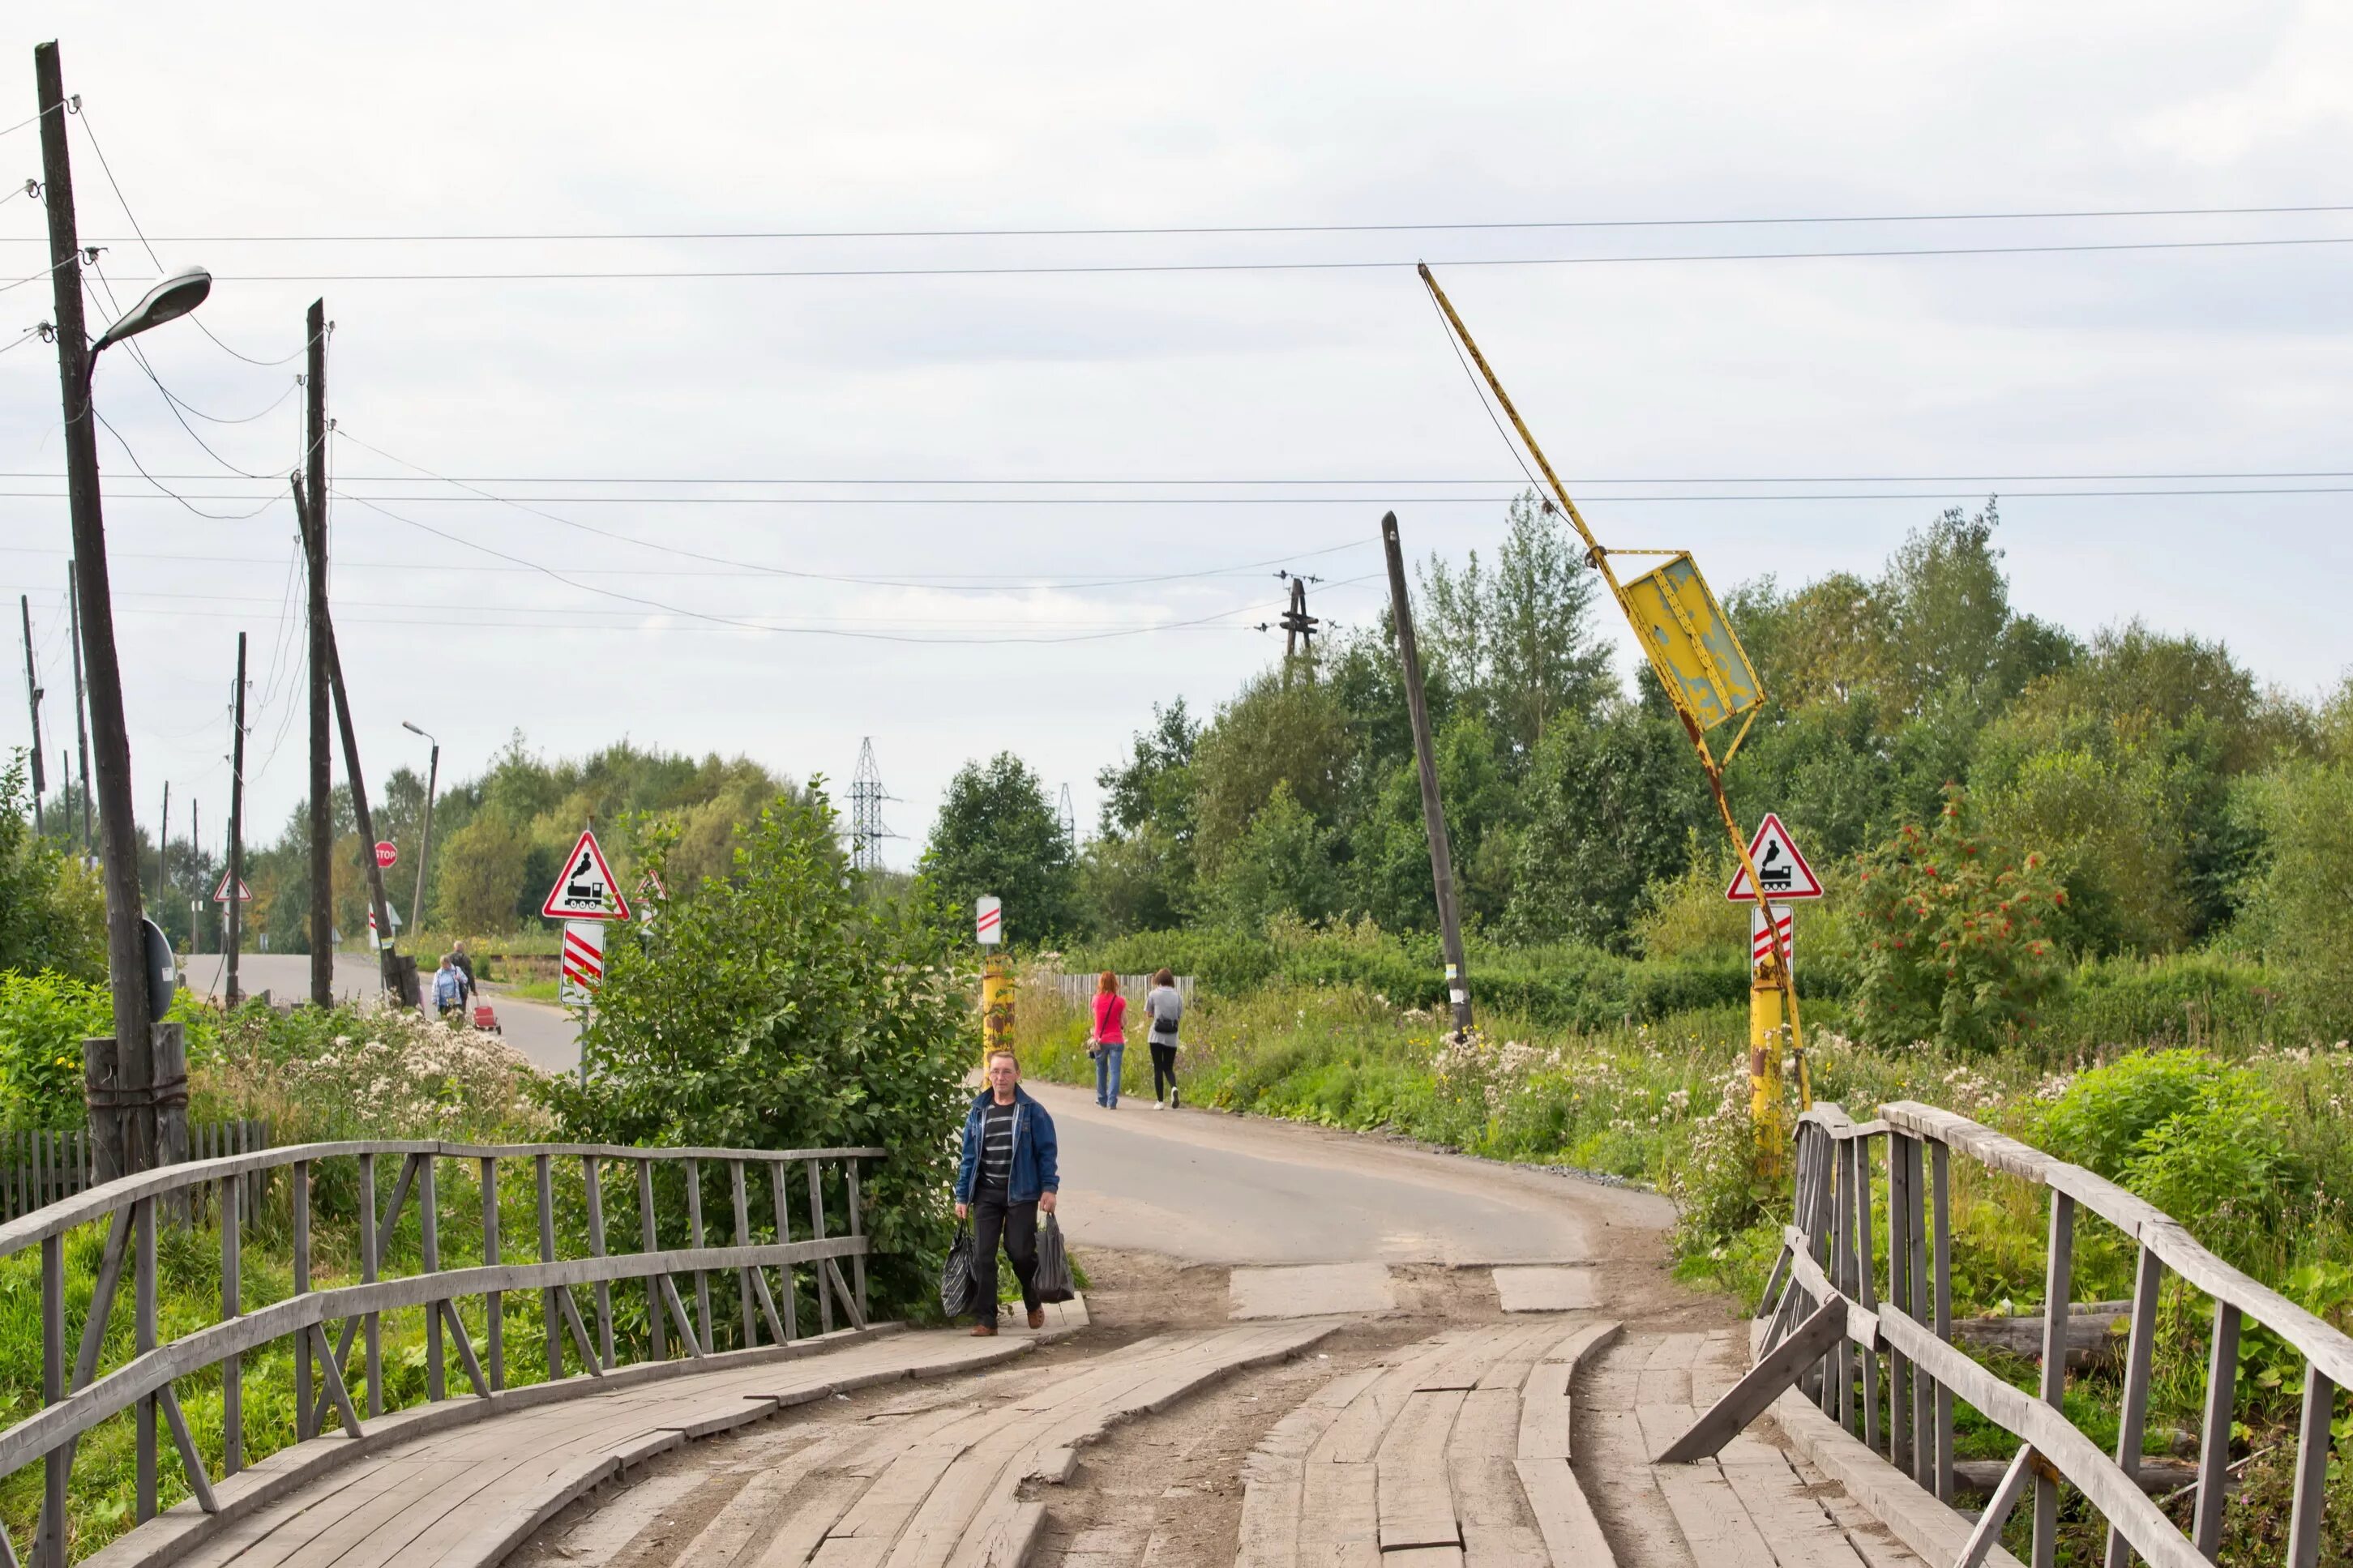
x,y
1760,944
582,969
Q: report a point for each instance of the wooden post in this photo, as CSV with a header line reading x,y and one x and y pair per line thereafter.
x,y
144,1340
2132,1417
493,1300
784,1235
1869,1292
2214,1437
694,1238
306,1423
2058,1292
647,1243
543,1170
1433,812
314,555
232,1305
102,1093
1943,1160
233,910
1923,1436
751,1335
2312,1452
50,1540
170,1054
816,1233
371,1261
126,940
596,1250
428,1221
1899,1296
858,1229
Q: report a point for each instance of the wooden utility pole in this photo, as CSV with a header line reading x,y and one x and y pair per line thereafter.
x,y
425,851
162,838
315,550
388,958
196,869
1433,811
118,826
33,707
81,706
236,827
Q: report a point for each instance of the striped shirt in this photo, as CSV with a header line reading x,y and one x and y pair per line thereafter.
x,y
996,1148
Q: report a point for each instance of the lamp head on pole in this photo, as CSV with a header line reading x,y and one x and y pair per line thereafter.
x,y
414,730
173,297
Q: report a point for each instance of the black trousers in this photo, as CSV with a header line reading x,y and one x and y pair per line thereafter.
x,y
1016,1225
1163,1069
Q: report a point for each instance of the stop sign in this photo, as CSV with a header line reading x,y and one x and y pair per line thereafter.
x,y
386,855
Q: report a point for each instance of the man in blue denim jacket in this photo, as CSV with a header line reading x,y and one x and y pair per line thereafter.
x,y
1007,1180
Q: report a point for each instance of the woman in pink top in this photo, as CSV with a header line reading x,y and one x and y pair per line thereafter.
x,y
1109,1042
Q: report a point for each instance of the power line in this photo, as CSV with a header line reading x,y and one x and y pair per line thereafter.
x,y
1066,269
172,402
213,516
1173,231
1380,481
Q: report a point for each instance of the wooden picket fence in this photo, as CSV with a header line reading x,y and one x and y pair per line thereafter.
x,y
1079,990
39,1167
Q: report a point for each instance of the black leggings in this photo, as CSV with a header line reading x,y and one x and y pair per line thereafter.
x,y
1163,1069
1017,1225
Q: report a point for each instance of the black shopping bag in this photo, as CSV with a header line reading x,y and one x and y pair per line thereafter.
x,y
1053,1265
957,1291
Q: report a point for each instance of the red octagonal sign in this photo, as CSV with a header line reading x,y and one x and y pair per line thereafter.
x,y
387,854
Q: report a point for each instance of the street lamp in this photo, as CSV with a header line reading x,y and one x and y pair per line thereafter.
x,y
168,301
432,778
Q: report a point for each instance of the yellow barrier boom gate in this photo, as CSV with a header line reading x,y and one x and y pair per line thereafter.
x,y
1699,660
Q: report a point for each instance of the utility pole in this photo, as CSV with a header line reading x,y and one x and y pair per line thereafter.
x,y
867,794
1067,820
388,958
33,707
126,943
1433,812
195,867
236,826
424,851
1298,625
163,839
315,550
81,706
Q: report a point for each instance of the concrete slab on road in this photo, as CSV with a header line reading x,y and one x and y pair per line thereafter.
x,y
1207,1187
1547,1289
1312,1291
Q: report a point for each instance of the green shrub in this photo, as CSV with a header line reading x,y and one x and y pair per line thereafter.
x,y
44,1018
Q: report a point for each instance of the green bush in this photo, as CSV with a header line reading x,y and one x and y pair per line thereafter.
x,y
2203,1139
779,1008
44,1018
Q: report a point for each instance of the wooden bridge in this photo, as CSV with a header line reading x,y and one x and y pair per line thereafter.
x,y
1562,1437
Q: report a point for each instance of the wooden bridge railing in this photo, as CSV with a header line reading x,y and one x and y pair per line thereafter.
x,y
76,1399
1835,1319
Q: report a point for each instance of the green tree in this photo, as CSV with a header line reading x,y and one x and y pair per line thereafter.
x,y
775,1007
479,872
1611,808
52,911
1282,865
998,834
1282,729
1957,946
2296,912
1137,873
1519,639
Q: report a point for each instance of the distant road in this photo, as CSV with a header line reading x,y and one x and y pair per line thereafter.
x,y
543,1034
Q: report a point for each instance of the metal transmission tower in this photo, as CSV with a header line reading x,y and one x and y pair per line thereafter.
x,y
1069,820
867,829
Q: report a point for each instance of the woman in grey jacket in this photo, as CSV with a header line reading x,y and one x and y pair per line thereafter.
x,y
1163,1007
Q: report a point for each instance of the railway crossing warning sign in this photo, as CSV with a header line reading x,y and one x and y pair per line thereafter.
x,y
582,967
1760,941
586,890
1779,866
220,894
988,920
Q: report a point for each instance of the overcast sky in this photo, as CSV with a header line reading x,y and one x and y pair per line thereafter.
x,y
1852,397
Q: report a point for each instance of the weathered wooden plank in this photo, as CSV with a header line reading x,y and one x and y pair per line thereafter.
x,y
1754,1393
1793,1525
1415,1497
1572,1536
1339,1524
804,1530
1715,1525
1545,1412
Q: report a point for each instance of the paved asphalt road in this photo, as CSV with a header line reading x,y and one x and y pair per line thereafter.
x,y
544,1034
1207,1187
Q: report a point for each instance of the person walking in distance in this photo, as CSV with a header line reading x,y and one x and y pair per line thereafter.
x,y
1163,1007
1110,1039
1007,1178
464,968
448,989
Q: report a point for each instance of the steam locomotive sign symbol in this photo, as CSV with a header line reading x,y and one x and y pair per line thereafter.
x,y
1779,866
587,890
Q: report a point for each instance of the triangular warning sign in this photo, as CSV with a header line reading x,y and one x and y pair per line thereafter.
x,y
220,894
585,890
1779,866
